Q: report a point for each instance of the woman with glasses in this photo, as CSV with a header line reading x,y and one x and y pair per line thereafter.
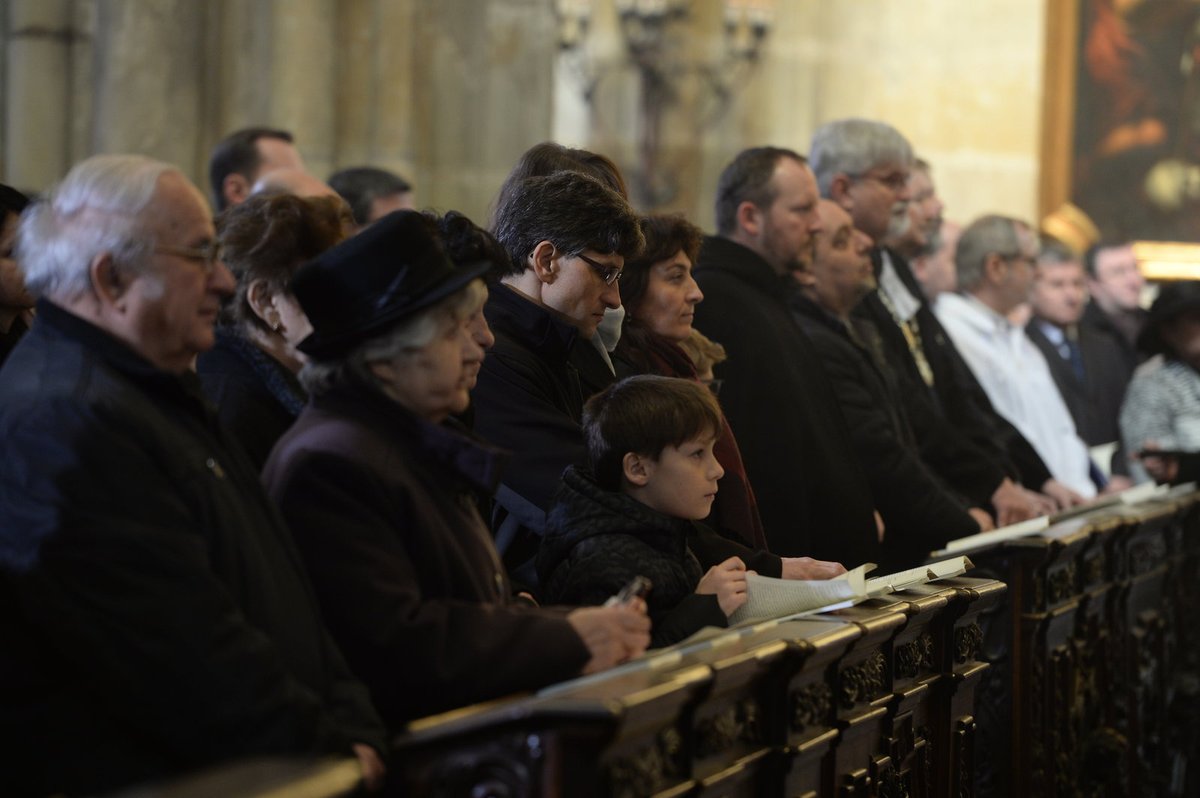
x,y
251,373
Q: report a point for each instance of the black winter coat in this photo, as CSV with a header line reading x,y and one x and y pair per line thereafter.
x,y
382,505
920,513
154,612
529,400
812,492
256,397
598,540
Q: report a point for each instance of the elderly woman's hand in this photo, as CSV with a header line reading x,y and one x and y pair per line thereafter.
x,y
808,568
612,634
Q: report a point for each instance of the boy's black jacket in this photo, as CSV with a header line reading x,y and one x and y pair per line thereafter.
x,y
597,540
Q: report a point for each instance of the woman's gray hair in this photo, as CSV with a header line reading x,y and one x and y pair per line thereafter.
x,y
95,209
855,147
411,334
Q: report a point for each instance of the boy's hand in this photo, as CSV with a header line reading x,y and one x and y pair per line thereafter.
x,y
728,582
808,568
612,634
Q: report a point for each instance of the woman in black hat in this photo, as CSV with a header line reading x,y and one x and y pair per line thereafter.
x,y
378,488
1161,410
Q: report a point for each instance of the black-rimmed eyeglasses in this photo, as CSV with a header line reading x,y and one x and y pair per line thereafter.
x,y
609,274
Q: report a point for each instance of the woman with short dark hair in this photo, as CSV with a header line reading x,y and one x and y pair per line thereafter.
x,y
251,372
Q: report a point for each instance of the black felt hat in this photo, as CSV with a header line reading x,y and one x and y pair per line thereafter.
x,y
387,273
1173,300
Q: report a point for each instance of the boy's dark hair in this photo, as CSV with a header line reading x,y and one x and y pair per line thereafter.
x,y
572,211
362,185
238,153
644,414
665,235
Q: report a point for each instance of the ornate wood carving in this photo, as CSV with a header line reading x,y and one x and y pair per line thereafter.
x,y
865,681
967,642
811,706
912,658
649,769
720,731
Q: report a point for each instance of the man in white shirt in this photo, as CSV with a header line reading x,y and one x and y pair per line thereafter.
x,y
995,261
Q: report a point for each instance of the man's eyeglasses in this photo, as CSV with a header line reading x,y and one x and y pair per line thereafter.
x,y
1029,260
896,181
208,254
609,274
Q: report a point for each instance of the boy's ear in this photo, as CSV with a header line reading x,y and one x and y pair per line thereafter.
x,y
635,468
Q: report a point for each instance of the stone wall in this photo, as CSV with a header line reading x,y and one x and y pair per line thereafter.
x,y
449,93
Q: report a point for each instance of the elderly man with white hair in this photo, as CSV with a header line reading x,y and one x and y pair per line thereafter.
x,y
155,616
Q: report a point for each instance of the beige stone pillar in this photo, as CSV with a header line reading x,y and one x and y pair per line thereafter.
x,y
37,113
483,77
146,79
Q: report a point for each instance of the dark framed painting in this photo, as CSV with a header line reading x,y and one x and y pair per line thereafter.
x,y
1121,122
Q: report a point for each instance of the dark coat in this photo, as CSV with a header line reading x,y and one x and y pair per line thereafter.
x,y
959,432
588,527
812,492
155,614
597,541
256,396
1094,401
735,511
919,511
410,584
529,400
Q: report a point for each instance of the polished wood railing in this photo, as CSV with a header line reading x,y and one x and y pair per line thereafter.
x,y
1066,664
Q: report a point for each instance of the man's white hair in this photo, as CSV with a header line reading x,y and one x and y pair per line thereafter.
x,y
855,147
97,208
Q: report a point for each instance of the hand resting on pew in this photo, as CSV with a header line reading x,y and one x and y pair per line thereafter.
x,y
612,634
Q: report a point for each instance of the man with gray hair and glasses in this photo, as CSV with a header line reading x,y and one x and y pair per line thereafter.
x,y
155,616
864,166
995,258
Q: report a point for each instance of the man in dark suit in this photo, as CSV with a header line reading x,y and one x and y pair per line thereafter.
x,y
863,166
1091,381
812,492
919,510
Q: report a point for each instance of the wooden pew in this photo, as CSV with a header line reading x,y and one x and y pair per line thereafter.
x,y
866,701
1091,653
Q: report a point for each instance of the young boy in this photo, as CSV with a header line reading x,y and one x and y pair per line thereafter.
x,y
650,447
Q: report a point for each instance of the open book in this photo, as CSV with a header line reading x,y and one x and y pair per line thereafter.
x,y
780,598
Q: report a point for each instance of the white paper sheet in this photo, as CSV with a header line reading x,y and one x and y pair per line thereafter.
x,y
944,569
776,598
1018,530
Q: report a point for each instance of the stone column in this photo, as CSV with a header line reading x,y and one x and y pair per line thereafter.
x,y
483,87
146,79
37,112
